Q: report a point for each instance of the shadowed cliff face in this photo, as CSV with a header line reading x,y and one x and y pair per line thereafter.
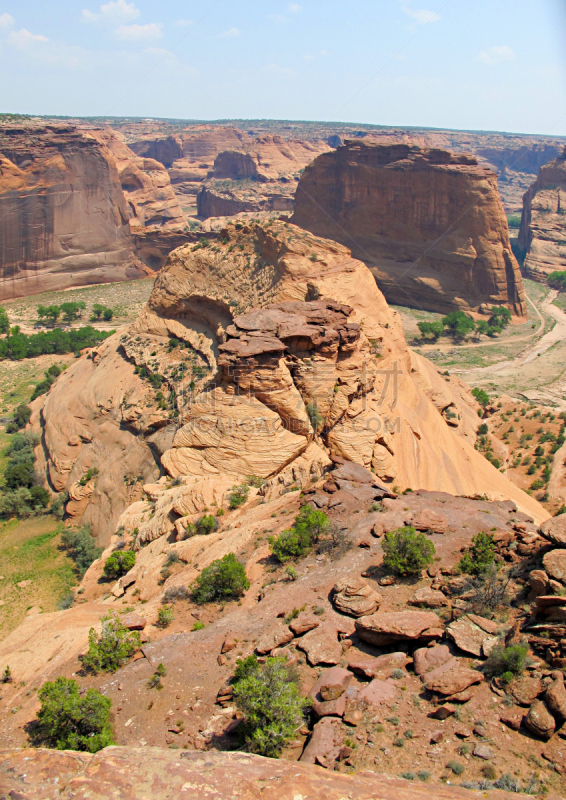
x,y
429,224
543,224
74,205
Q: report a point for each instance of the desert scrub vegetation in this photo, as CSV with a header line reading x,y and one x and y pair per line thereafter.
x,y
271,703
70,719
407,552
20,496
110,649
119,563
17,346
81,547
165,616
308,528
238,496
506,662
224,579
479,556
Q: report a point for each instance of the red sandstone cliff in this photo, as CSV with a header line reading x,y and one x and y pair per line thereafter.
x,y
429,224
543,224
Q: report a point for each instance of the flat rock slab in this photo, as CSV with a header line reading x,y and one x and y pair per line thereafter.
x,y
470,638
429,598
321,646
525,690
378,693
555,564
376,666
273,639
386,627
163,774
386,522
304,623
429,520
452,681
133,622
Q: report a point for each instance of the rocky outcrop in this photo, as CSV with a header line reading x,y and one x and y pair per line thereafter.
x,y
78,208
429,224
542,237
161,774
266,384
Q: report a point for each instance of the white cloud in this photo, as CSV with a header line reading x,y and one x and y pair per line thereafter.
x,y
23,37
230,34
114,11
6,20
294,8
133,33
184,23
495,55
422,15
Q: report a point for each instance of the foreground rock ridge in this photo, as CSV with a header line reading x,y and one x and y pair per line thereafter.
x,y
162,775
78,208
429,224
542,237
255,363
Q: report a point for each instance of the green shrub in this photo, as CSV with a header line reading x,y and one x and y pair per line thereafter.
x,y
309,525
271,703
239,496
225,578
81,548
198,626
481,396
20,345
557,280
506,659
20,418
165,616
69,720
314,415
432,329
119,563
112,648
407,552
456,767
479,556
482,429
459,324
207,524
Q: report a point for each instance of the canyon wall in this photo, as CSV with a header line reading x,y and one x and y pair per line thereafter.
x,y
542,237
429,224
77,206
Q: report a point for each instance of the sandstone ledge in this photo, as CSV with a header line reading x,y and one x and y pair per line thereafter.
x,y
129,772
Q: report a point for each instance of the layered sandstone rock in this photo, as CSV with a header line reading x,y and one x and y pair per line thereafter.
x,y
429,224
268,382
74,205
542,236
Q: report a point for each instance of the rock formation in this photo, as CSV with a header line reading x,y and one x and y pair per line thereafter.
x,y
542,236
79,208
429,224
266,381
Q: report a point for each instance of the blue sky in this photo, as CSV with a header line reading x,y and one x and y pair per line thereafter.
x,y
465,64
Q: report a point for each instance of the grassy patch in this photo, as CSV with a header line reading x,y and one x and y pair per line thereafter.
x,y
29,550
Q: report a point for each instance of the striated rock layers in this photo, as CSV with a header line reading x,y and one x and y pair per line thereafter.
x,y
260,356
542,236
429,224
78,208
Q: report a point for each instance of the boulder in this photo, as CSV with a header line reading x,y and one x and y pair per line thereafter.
x,y
349,471
525,690
133,622
538,581
376,667
484,751
512,717
387,521
428,598
555,752
428,658
555,564
554,529
274,638
451,681
555,695
539,720
353,596
469,637
332,683
229,644
386,627
324,745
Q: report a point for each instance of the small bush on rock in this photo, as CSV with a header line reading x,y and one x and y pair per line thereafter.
x,y
308,527
81,548
112,648
503,659
407,552
119,563
165,616
207,524
479,556
69,720
239,496
225,578
272,705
